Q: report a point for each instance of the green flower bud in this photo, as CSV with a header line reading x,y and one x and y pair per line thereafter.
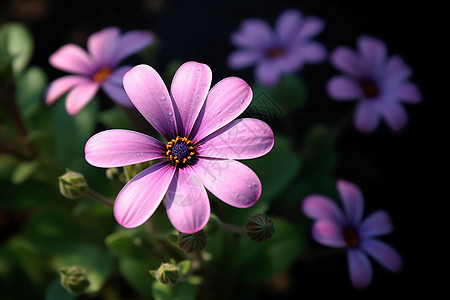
x,y
212,226
192,242
259,228
132,170
72,184
167,274
113,173
74,279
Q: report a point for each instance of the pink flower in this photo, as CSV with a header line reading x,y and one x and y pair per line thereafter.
x,y
334,229
276,52
202,142
96,68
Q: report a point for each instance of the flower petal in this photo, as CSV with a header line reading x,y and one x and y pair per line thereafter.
x,y
374,53
113,87
328,233
253,34
287,25
313,52
130,43
367,117
187,202
140,197
149,94
101,45
409,93
359,268
343,88
241,139
395,116
190,86
72,58
119,147
396,69
310,27
322,208
242,59
376,224
347,61
80,95
353,201
231,181
226,100
387,256
268,72
61,85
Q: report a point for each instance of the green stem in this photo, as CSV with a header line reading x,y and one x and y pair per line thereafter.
x,y
98,197
233,228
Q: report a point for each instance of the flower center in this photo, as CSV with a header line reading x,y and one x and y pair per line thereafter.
x,y
180,151
102,74
275,52
351,237
369,88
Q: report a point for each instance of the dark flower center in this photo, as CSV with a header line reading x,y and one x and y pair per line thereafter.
x,y
275,52
181,151
351,237
370,88
102,74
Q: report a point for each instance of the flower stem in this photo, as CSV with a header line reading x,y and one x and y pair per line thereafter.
x,y
98,197
233,228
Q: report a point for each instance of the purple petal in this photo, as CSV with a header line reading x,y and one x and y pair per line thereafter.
x,y
253,34
322,208
396,69
61,85
384,254
311,27
101,45
353,201
187,202
149,94
130,43
113,87
376,224
118,147
243,58
343,88
367,116
80,95
359,268
71,58
140,197
287,25
328,233
409,93
268,72
231,181
374,53
313,52
347,61
226,100
190,85
395,116
240,139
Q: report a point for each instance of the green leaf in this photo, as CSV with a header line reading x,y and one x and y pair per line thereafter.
x,y
30,91
55,291
127,243
24,170
181,291
184,267
7,165
115,117
136,273
16,45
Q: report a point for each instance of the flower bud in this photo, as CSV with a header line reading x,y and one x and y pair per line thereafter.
x,y
192,242
259,228
167,274
72,184
74,279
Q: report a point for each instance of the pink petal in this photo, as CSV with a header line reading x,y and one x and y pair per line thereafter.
x,y
328,233
242,59
241,139
226,100
409,93
231,181
71,58
374,53
359,268
187,202
253,34
387,256
190,85
347,61
353,201
343,88
322,208
140,197
61,85
101,45
119,147
367,117
268,72
311,27
395,116
288,25
80,95
113,87
130,43
376,224
149,94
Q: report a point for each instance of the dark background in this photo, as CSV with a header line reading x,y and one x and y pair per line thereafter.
x,y
396,172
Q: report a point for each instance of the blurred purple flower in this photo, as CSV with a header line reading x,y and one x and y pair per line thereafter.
x,y
378,82
335,229
282,51
202,142
95,68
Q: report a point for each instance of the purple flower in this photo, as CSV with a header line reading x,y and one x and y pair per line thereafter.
x,y
282,51
378,82
335,229
202,142
95,68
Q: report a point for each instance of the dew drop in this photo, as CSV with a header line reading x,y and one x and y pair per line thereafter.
x,y
163,98
170,114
